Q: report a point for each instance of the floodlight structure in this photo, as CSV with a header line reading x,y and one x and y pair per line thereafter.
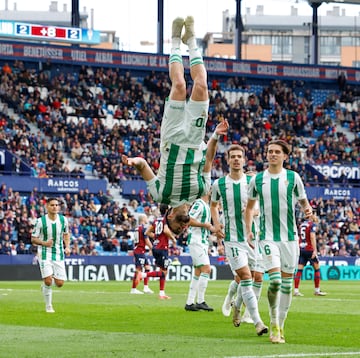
x,y
315,5
239,27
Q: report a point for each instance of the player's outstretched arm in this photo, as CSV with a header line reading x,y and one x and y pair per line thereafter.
x,y
221,129
141,166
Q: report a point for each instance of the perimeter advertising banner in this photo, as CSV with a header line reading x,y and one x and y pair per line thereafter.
x,y
55,185
105,269
153,62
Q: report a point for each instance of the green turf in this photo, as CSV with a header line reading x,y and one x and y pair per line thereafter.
x,y
103,320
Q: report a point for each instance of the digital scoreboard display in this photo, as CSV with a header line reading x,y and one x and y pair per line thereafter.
x,y
49,33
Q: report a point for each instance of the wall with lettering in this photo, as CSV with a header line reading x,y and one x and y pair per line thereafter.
x,y
53,185
122,268
153,62
125,272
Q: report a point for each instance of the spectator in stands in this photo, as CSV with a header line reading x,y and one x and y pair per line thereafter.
x,y
108,245
342,81
20,248
354,227
182,132
76,209
124,244
6,69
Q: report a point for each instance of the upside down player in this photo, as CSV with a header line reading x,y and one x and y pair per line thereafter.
x,y
141,261
185,165
308,253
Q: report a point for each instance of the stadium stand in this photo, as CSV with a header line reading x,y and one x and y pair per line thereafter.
x,y
78,123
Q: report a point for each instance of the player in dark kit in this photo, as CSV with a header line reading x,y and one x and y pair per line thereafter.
x,y
308,253
160,235
141,260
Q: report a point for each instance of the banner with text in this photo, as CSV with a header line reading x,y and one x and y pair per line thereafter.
x,y
53,185
154,62
125,272
122,268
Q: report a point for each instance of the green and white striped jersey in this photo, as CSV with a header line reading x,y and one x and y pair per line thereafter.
x,y
199,211
278,195
180,178
46,229
233,195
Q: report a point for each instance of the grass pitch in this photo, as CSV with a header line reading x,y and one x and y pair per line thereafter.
x,y
101,319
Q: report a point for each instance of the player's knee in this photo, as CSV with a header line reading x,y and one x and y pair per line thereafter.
x,y
200,88
48,281
59,283
206,269
178,86
258,277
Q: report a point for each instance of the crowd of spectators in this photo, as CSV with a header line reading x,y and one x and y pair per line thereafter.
x,y
100,226
56,103
71,111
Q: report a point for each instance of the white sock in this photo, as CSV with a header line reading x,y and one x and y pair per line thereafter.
x,y
191,42
250,300
203,283
47,293
232,288
285,300
194,284
239,298
175,43
257,287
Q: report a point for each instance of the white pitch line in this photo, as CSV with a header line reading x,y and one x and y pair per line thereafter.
x,y
292,355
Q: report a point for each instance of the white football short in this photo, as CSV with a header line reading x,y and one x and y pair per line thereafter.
x,y
283,254
53,268
239,254
184,123
259,266
199,254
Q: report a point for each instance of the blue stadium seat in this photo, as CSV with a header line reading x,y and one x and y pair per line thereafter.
x,y
89,167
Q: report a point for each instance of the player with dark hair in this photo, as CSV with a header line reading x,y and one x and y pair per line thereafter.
x,y
186,160
50,234
232,191
141,260
308,253
278,190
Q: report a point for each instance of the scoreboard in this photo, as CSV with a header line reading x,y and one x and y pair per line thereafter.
x,y
23,30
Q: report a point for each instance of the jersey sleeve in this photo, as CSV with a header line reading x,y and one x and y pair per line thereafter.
x,y
66,226
196,209
252,192
300,189
37,228
215,195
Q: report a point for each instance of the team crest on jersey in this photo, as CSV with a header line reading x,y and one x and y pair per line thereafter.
x,y
286,182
